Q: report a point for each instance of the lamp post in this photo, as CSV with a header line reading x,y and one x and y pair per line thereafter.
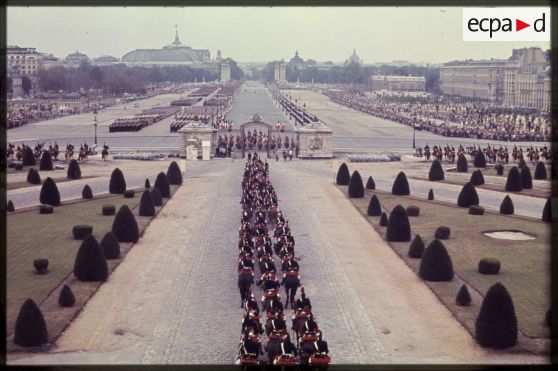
x,y
414,129
95,121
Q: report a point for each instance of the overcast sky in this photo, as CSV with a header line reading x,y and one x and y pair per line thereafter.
x,y
256,34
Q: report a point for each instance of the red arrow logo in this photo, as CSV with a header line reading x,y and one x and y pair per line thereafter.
x,y
519,25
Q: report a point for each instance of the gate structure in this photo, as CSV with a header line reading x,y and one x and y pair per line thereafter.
x,y
254,120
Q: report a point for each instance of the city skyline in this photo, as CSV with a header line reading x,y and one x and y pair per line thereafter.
x,y
431,35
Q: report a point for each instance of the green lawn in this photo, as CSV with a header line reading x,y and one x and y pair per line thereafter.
x,y
31,235
24,184
525,264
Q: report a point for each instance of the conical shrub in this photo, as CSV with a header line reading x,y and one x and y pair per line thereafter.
x,y
499,169
87,193
343,175
33,176
157,199
10,207
513,183
74,171
28,157
117,183
480,159
383,219
540,171
374,207
436,172
506,207
477,178
174,174
49,193
522,164
416,249
468,196
547,211
46,161
147,207
125,227
356,188
496,324
435,264
398,228
147,184
526,179
162,183
431,194
66,297
463,297
90,263
462,166
401,185
110,246
370,184
30,327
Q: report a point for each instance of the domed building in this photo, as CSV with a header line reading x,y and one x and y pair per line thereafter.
x,y
354,58
175,53
105,59
296,61
75,59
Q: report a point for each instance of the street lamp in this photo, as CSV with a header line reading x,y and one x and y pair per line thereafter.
x,y
95,124
414,129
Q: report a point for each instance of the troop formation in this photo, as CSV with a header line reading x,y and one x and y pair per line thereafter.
x,y
452,117
259,210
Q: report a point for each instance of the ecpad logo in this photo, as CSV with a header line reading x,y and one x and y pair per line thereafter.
x,y
506,24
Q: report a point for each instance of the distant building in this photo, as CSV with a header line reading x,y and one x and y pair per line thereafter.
x,y
225,70
297,62
397,83
280,71
175,53
354,58
105,60
50,61
218,59
523,80
75,59
24,61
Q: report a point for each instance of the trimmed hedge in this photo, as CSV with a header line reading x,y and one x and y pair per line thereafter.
x,y
540,171
147,207
416,249
513,183
522,164
413,210
436,265
125,227
18,167
506,207
480,159
547,211
401,185
463,297
174,174
147,184
45,209
117,183
477,178
87,193
496,324
499,169
28,157
41,265
430,195
129,193
74,171
162,183
81,231
10,207
489,266
108,210
33,176
356,188
90,263
462,166
49,193
526,179
442,233
343,175
370,184
476,210
110,246
468,196
30,327
436,172
383,219
157,199
398,228
66,297
46,161
374,207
